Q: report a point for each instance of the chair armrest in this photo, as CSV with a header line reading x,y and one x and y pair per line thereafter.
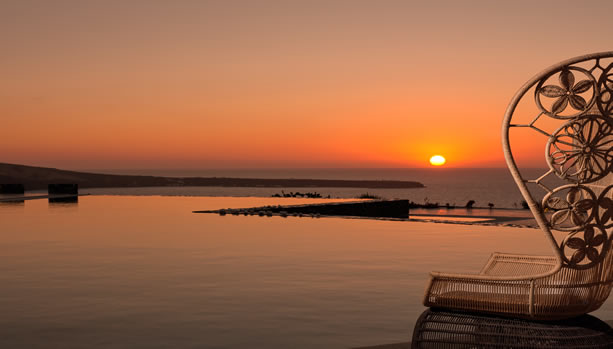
x,y
508,264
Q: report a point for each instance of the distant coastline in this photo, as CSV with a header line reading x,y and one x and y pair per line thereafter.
x,y
35,178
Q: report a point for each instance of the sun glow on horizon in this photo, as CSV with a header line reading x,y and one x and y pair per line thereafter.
x,y
437,160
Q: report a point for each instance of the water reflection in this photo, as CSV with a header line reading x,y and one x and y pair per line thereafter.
x,y
10,199
446,329
12,203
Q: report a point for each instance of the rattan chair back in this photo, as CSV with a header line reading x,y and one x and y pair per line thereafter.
x,y
570,107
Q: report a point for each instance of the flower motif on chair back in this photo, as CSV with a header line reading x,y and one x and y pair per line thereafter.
x,y
580,152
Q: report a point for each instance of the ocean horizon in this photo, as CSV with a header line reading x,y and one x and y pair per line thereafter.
x,y
454,186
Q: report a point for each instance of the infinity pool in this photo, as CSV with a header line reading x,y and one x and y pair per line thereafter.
x,y
146,272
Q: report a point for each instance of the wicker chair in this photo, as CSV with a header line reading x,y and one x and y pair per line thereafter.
x,y
445,329
577,97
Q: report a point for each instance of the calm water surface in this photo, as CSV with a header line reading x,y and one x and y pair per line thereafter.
x,y
145,272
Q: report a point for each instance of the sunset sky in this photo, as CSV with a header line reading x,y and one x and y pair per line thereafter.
x,y
240,84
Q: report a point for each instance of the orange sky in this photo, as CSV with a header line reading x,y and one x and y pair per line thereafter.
x,y
216,84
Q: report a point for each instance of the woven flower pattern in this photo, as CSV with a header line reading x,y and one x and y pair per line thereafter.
x,y
605,208
605,86
586,247
582,149
567,92
573,211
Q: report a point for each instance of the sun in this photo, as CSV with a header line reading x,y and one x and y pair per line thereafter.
x,y
437,160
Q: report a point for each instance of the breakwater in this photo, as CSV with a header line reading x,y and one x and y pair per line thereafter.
x,y
369,208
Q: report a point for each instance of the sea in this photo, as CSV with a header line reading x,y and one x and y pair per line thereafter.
x,y
136,268
453,186
127,271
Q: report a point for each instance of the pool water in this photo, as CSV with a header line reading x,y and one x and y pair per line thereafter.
x,y
146,272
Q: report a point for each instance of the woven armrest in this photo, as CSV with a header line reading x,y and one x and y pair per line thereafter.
x,y
507,264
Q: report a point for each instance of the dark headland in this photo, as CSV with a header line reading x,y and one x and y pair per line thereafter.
x,y
35,178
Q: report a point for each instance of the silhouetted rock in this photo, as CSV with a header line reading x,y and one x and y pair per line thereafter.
x,y
12,189
55,189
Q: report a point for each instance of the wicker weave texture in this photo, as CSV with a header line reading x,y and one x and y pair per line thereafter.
x,y
577,96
